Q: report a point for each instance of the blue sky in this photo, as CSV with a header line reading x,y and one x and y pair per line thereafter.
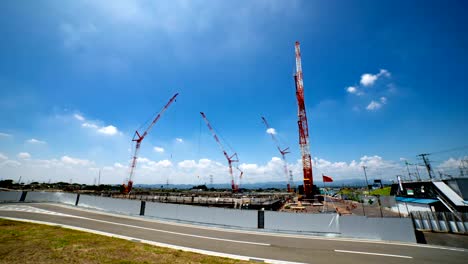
x,y
78,77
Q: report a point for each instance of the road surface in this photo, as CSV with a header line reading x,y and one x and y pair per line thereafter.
x,y
259,246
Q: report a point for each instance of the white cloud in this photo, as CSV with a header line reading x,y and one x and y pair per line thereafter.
x,y
155,165
118,165
75,161
179,140
79,117
5,135
108,130
187,164
271,131
451,164
23,155
3,157
373,105
368,79
10,163
90,125
383,100
351,89
158,149
35,141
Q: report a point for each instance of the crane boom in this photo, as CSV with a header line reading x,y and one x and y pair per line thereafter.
x,y
230,158
138,138
303,127
283,153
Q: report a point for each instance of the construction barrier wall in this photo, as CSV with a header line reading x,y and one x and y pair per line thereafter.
x,y
200,214
6,197
316,223
129,207
399,229
396,229
56,197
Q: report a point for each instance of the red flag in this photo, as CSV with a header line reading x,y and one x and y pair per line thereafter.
x,y
327,178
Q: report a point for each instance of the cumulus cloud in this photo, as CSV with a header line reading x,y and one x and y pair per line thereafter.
x,y
35,141
108,130
351,90
23,155
452,164
179,140
368,79
158,149
271,131
3,157
90,125
5,135
186,171
75,161
373,106
118,165
79,117
187,164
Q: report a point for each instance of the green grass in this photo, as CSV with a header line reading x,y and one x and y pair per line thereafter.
x,y
382,192
33,243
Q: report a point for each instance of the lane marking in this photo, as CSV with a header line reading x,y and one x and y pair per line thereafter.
x,y
370,253
139,227
253,232
158,244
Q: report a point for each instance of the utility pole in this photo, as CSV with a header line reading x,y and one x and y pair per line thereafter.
x,y
427,164
211,180
407,168
365,174
417,172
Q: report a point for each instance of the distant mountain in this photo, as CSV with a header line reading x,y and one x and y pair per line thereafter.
x,y
265,185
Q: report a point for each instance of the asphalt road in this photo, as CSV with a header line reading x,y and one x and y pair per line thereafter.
x,y
257,245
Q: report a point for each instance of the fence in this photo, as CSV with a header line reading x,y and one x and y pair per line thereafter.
x,y
398,229
440,221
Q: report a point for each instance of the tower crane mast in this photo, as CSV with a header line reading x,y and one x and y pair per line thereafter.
x,y
283,153
230,158
138,138
303,127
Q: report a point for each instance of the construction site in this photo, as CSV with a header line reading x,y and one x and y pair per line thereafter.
x,y
305,193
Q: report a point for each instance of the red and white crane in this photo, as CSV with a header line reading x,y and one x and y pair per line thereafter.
x,y
283,153
230,158
303,127
138,138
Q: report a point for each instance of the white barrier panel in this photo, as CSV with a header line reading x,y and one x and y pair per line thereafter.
x,y
57,197
398,229
10,196
317,223
209,215
131,207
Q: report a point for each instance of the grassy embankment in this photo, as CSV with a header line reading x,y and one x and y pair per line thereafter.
x,y
32,243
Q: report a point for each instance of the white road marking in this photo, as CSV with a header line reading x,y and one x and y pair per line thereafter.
x,y
159,244
371,253
30,209
261,233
